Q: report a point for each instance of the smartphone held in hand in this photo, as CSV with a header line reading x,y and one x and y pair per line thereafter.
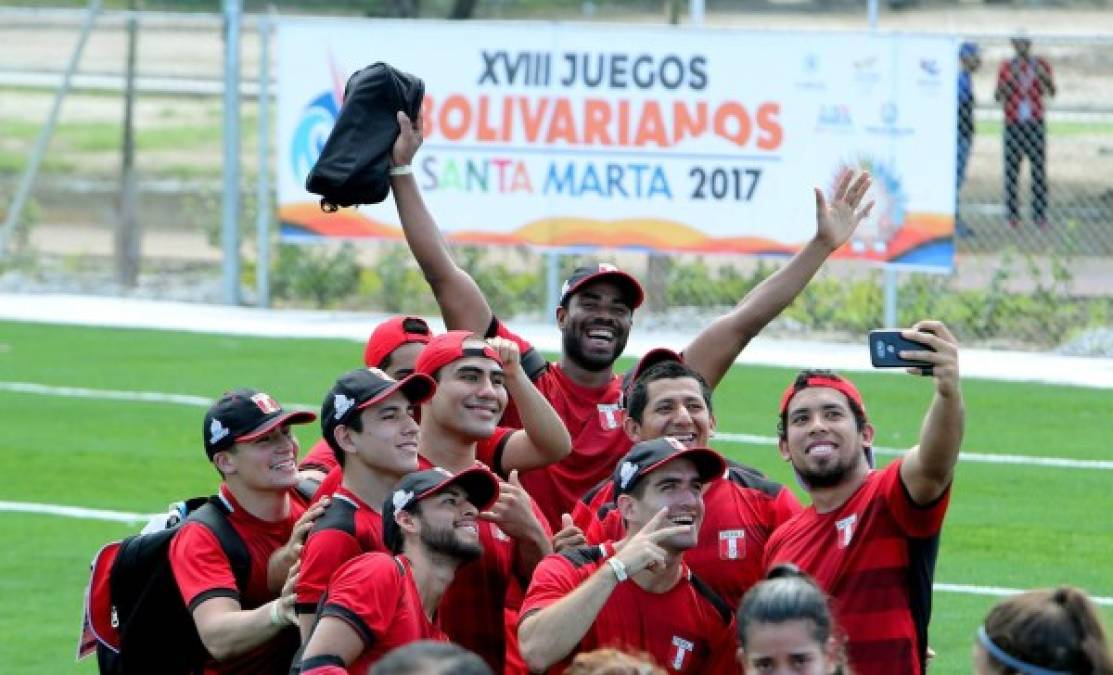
x,y
885,348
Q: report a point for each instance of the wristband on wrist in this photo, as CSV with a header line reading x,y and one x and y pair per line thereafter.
x,y
276,618
619,569
403,170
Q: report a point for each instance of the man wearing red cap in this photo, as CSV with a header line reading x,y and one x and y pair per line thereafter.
x,y
667,398
392,347
636,594
377,602
367,419
870,538
247,630
595,316
459,425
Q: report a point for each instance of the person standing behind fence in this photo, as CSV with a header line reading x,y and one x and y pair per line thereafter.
x,y
969,59
1022,82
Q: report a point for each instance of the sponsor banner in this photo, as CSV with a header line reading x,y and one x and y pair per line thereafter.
x,y
657,138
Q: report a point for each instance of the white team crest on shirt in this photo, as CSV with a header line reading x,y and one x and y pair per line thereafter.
x,y
845,528
682,650
610,415
626,473
217,431
342,404
732,544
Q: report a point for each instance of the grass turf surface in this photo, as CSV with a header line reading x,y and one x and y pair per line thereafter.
x,y
1013,526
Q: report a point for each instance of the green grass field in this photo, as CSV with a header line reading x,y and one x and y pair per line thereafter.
x,y
1012,526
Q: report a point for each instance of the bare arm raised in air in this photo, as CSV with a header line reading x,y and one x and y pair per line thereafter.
x,y
713,351
463,305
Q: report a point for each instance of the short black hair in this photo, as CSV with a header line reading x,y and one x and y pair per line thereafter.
x,y
426,657
801,382
356,425
638,397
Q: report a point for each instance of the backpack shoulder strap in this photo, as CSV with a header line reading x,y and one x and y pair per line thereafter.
x,y
214,515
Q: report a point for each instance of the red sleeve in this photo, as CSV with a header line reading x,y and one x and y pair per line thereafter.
x,y
610,528
916,520
490,449
319,457
325,552
553,578
499,329
723,645
329,485
785,505
365,592
200,567
583,516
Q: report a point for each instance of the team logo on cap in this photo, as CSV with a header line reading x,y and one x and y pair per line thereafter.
x,y
267,404
342,404
401,499
217,432
626,473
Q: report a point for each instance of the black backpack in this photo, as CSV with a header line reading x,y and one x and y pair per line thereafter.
x,y
135,618
354,164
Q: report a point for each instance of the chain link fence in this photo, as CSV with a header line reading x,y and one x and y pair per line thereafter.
x,y
1037,276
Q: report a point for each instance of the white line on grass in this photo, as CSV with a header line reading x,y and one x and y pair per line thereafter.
x,y
965,457
202,402
74,512
124,517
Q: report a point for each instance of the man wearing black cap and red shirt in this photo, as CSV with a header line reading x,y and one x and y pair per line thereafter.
x,y
870,538
367,419
459,425
377,602
595,316
636,594
248,439
392,347
664,397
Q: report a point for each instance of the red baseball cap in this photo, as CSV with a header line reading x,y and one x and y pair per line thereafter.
x,y
448,347
836,382
392,334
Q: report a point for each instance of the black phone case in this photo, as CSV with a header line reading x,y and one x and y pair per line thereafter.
x,y
886,345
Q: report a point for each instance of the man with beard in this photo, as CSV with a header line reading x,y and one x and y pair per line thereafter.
x,y
870,538
377,602
367,420
637,594
595,316
458,427
667,398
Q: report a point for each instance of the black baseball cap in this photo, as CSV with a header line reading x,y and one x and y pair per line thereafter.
x,y
631,289
364,387
648,456
480,485
245,415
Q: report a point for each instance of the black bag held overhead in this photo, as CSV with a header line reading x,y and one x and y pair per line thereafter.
x,y
354,164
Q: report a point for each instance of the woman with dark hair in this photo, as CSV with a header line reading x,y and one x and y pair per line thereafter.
x,y
785,627
1049,631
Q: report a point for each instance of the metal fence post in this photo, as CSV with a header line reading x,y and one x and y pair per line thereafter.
x,y
552,281
263,187
696,12
15,210
230,230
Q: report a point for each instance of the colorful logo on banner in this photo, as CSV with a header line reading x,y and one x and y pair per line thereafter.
x,y
315,124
